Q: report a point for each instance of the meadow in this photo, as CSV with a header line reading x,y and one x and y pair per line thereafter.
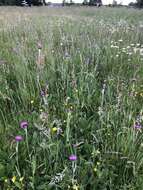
x,y
71,98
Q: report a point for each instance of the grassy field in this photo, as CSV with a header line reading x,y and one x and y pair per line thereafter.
x,y
71,98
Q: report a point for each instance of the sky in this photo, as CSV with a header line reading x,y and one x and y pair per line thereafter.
x,y
105,2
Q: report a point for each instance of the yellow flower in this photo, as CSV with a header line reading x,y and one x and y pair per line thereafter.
x,y
75,187
54,129
13,179
21,179
98,163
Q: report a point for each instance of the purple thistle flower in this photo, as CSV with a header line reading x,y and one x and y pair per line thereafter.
x,y
24,124
72,157
18,138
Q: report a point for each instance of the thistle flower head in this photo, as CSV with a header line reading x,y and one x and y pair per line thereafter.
x,y
72,157
18,138
24,124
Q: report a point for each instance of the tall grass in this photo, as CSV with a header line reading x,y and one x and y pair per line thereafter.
x,y
75,75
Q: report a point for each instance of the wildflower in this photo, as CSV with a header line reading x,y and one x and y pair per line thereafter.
x,y
132,45
72,157
54,129
21,179
120,40
13,179
6,180
67,99
95,169
75,187
18,138
32,101
137,44
24,124
129,53
98,163
137,126
57,130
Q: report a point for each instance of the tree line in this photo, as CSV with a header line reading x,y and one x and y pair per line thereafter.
x,y
43,2
139,3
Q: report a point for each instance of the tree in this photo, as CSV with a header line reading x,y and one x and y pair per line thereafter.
x,y
140,3
95,2
7,2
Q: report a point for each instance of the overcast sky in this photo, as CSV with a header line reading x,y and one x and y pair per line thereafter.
x,y
124,2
